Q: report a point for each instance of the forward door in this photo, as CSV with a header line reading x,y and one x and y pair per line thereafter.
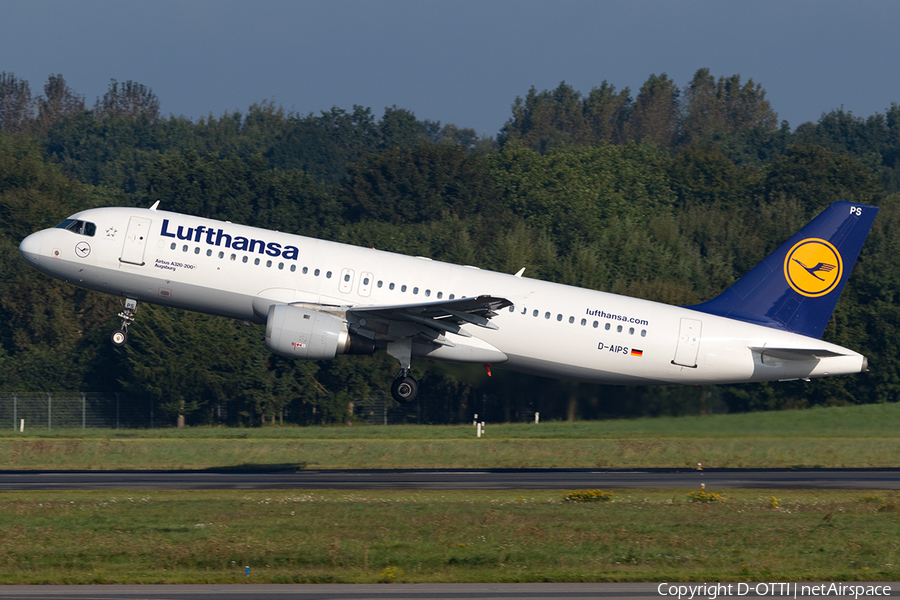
x,y
136,240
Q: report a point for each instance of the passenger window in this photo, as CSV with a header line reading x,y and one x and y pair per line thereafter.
x,y
184,248
427,293
172,247
572,320
595,324
221,255
619,329
256,261
535,313
440,295
559,317
631,331
452,296
403,288
547,315
512,309
197,250
643,333
268,263
280,266
583,322
347,277
316,272
234,257
365,280
244,259
209,252
305,270
606,327
391,287
415,290
293,268
380,283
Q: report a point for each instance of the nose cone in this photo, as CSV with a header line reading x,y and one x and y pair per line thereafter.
x,y
31,248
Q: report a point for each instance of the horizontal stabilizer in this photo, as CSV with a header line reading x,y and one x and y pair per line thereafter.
x,y
796,353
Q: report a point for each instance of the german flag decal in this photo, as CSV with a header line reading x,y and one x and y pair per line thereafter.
x,y
636,352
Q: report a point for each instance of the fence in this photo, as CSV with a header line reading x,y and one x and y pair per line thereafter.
x,y
68,410
379,410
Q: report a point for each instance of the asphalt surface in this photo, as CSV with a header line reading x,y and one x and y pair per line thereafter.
x,y
456,479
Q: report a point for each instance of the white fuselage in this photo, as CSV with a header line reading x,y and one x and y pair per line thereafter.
x,y
552,330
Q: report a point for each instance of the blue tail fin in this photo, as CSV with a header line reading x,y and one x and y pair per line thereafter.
x,y
796,287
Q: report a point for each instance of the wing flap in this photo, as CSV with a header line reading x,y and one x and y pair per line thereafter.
x,y
443,316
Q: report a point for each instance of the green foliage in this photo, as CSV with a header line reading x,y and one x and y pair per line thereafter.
x,y
707,497
587,496
670,196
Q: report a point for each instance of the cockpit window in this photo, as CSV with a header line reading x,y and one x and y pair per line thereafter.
x,y
79,227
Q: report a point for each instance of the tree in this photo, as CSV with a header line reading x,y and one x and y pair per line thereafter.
x,y
16,105
128,100
193,365
714,109
607,113
655,116
418,184
546,120
400,129
59,102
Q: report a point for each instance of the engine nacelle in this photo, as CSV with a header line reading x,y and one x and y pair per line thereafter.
x,y
294,332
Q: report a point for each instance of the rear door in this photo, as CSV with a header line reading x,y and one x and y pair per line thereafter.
x,y
688,343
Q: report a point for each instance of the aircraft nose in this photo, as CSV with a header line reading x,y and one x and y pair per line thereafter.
x,y
31,248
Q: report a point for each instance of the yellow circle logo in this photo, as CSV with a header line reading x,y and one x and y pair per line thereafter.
x,y
813,267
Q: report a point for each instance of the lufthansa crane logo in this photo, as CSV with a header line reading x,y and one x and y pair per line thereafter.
x,y
82,249
813,267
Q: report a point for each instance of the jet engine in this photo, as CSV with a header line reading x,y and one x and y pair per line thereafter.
x,y
294,332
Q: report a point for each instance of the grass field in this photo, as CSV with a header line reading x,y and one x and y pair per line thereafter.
x,y
402,536
859,436
474,536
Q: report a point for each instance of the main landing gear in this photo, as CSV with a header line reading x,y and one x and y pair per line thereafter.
x,y
120,335
404,389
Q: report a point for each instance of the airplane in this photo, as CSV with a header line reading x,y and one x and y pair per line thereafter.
x,y
319,299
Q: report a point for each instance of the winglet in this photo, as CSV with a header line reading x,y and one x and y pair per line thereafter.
x,y
797,287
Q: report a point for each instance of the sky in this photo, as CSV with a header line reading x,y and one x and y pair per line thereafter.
x,y
454,61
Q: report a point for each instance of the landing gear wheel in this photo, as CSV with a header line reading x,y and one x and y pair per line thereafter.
x,y
118,337
404,389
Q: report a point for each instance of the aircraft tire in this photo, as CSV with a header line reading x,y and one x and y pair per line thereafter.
x,y
404,389
118,338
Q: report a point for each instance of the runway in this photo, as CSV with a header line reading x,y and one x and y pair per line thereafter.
x,y
457,479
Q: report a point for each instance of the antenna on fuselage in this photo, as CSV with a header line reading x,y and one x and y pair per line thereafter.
x,y
155,205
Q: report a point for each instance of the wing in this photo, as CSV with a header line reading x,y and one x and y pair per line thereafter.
x,y
429,320
423,322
